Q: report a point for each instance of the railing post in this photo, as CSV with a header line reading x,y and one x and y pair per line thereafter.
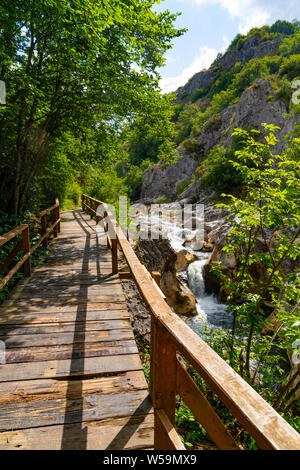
x,y
114,255
162,381
57,214
26,249
53,220
44,229
82,202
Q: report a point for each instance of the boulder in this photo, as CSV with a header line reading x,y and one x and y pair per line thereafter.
x,y
184,258
158,255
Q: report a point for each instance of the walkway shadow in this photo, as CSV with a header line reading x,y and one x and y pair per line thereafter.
x,y
124,435
74,407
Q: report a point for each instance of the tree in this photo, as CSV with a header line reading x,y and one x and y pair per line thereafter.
x,y
151,135
71,66
265,240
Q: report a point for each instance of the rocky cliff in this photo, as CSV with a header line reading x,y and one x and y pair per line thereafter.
x,y
256,105
252,48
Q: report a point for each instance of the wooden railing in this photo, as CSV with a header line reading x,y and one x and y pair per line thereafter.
x,y
172,340
50,215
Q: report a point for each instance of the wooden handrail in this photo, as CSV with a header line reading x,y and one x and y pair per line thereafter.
x,y
169,336
24,243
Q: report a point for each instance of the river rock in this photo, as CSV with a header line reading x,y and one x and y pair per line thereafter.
x,y
158,255
184,258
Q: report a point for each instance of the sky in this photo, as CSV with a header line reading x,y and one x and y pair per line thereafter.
x,y
212,24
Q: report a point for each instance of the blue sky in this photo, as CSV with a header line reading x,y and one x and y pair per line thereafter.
x,y
212,24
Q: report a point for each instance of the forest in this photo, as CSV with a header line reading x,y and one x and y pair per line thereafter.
x,y
84,113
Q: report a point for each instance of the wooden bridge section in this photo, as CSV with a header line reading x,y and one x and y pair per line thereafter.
x,y
73,378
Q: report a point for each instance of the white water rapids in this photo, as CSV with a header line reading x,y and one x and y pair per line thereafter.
x,y
210,310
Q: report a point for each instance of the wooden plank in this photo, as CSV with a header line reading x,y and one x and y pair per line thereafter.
x,y
70,289
74,410
8,319
169,439
203,411
26,341
93,367
64,327
128,433
49,389
81,306
66,300
68,351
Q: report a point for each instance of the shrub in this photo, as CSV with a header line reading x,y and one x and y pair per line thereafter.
x,y
291,67
192,146
219,173
183,185
200,93
162,199
214,123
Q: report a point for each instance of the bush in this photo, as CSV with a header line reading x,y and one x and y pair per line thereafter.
x,y
219,173
283,27
291,67
183,185
192,146
214,123
200,93
162,199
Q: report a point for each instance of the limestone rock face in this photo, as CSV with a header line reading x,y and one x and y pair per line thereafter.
x,y
254,107
160,180
158,255
252,48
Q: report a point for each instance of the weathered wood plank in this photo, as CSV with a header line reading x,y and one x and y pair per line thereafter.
x,y
49,389
11,319
23,341
130,433
87,408
69,320
68,351
93,367
64,327
65,300
61,308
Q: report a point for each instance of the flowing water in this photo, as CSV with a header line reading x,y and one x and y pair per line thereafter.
x,y
210,311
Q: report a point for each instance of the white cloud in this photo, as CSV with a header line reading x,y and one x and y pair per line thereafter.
x,y
252,13
226,43
203,60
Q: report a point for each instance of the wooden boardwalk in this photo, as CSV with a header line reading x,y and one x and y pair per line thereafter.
x,y
73,377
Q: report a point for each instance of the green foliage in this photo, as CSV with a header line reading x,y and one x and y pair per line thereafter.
x,y
186,119
283,91
217,170
151,135
79,68
200,93
291,67
270,213
182,186
107,186
283,27
162,199
290,46
9,222
192,146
